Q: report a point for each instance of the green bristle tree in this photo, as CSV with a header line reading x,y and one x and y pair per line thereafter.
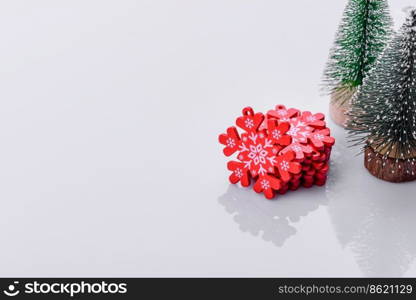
x,y
362,35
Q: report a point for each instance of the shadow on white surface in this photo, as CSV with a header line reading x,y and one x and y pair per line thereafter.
x,y
373,218
273,220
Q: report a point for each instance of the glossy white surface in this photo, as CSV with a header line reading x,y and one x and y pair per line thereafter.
x,y
110,164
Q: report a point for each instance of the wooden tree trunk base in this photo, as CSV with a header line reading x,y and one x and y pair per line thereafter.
x,y
389,169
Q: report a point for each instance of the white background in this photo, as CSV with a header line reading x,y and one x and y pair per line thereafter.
x,y
109,160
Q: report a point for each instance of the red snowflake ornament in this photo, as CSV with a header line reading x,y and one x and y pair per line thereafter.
x,y
321,137
239,173
314,120
283,151
287,166
250,121
277,132
231,140
299,149
299,130
283,114
258,153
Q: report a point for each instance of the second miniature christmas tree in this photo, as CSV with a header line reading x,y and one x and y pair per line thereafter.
x,y
362,35
383,115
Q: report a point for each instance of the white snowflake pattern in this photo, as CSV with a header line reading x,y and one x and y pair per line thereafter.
x,y
319,136
299,131
265,184
239,173
296,148
281,112
258,154
293,131
311,119
231,142
276,134
249,123
284,165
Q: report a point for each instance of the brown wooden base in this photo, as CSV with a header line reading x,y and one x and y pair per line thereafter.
x,y
389,169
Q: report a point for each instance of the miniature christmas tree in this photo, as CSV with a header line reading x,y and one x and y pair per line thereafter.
x,y
362,35
383,115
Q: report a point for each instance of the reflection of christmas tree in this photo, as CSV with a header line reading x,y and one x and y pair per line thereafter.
x,y
272,218
373,218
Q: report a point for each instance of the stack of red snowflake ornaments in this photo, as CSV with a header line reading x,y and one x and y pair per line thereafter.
x,y
280,151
